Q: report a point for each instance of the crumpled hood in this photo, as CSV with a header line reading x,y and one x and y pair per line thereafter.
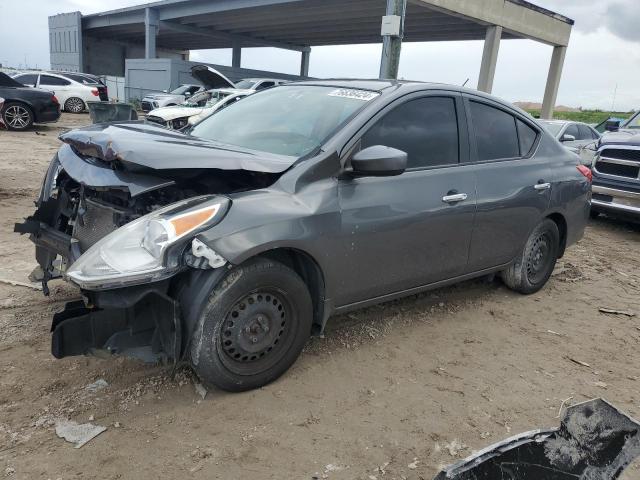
x,y
138,146
176,111
621,137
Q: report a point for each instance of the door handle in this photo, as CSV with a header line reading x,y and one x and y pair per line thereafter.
x,y
454,198
542,186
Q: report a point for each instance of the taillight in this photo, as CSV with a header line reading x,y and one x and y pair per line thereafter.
x,y
95,92
55,100
586,171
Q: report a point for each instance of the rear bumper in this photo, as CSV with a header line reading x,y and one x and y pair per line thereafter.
x,y
615,200
49,115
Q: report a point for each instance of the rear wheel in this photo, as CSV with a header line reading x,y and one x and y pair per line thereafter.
x,y
17,116
531,270
74,105
254,326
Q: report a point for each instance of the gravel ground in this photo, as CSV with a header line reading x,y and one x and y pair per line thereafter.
x,y
391,392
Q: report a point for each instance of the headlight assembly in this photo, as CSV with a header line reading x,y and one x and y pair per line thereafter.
x,y
141,251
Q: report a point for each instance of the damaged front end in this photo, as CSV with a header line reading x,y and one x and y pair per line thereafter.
x,y
595,441
126,234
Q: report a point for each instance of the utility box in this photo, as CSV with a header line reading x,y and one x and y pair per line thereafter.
x,y
390,25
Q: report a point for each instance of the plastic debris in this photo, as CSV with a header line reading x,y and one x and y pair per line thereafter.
x,y
79,434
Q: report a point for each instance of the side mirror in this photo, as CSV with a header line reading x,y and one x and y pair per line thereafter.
x,y
612,125
187,95
568,138
379,161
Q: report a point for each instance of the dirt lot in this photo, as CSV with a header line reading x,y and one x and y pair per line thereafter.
x,y
422,381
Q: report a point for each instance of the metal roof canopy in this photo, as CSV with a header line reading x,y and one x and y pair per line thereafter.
x,y
299,24
296,24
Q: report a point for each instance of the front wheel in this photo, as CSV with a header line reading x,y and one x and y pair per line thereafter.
x,y
533,267
253,327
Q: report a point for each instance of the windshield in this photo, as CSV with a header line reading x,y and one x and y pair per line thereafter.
x,y
633,122
181,89
248,84
292,120
552,127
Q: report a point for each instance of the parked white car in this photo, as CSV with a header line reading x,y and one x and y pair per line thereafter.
x,y
72,93
197,108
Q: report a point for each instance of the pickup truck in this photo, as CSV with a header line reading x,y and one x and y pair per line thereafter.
x,y
616,171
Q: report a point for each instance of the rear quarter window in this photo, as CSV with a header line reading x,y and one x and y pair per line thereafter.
x,y
526,138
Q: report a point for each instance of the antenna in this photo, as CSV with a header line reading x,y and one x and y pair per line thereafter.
x,y
465,82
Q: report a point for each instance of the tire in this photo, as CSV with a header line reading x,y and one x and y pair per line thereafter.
x,y
253,327
74,105
531,270
17,116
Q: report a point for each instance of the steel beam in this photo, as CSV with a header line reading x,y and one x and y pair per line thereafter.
x,y
304,62
236,55
489,58
245,40
553,82
150,32
392,44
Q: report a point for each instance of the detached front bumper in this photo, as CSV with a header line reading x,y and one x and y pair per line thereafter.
x,y
615,200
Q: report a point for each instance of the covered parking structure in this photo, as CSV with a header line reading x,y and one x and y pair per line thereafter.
x,y
171,28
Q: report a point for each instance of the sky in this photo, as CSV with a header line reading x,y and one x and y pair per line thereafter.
x,y
601,69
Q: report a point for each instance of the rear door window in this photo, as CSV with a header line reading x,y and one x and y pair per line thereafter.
x,y
495,132
425,128
49,80
585,132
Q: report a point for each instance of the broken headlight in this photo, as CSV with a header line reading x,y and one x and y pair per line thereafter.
x,y
141,251
179,123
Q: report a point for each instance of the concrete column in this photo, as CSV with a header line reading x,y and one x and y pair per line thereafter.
x,y
392,43
150,32
489,58
304,62
553,82
236,55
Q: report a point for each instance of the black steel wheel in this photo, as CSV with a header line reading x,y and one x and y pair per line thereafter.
x,y
531,270
253,327
17,116
74,105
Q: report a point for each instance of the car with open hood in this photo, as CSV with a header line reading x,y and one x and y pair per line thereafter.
x,y
209,78
24,106
197,108
227,247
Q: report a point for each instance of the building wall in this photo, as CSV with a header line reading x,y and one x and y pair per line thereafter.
x,y
155,75
107,57
65,41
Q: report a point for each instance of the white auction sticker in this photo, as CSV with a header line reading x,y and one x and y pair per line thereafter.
x,y
363,95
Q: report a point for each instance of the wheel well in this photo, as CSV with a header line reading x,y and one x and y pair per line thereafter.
x,y
304,265
561,223
21,102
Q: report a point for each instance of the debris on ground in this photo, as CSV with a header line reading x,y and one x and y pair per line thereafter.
x,y
455,447
79,434
579,362
595,440
15,283
413,465
97,385
614,311
201,390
